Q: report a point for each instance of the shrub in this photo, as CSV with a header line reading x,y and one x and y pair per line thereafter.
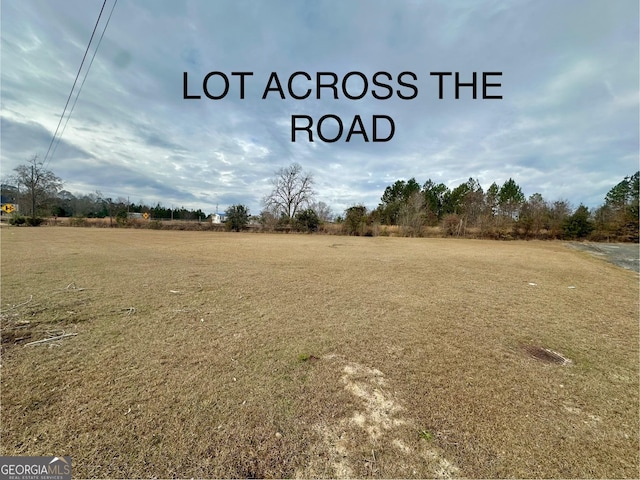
x,y
17,220
122,218
29,221
355,221
307,221
78,222
268,220
452,224
34,221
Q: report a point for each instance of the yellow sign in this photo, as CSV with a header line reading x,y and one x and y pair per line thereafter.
x,y
8,208
145,215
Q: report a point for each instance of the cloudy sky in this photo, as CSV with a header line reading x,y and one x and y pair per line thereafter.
x,y
566,127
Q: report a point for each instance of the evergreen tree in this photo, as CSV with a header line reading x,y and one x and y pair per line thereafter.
x,y
237,217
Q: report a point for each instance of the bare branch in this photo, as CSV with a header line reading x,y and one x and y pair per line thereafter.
x,y
51,339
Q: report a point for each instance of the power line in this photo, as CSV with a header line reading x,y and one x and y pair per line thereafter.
x,y
74,84
83,80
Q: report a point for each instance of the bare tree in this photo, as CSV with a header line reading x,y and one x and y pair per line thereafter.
x,y
37,184
292,189
323,211
533,214
558,212
413,215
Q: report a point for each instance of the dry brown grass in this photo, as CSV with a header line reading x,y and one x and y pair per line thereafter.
x,y
204,354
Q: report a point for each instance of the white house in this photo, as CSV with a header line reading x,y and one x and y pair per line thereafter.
x,y
218,218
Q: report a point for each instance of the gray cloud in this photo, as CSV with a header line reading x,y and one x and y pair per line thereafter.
x,y
22,140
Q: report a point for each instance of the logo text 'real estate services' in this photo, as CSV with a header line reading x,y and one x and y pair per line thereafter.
x,y
35,468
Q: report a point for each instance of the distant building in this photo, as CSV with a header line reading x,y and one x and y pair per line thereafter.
x,y
218,218
9,199
8,194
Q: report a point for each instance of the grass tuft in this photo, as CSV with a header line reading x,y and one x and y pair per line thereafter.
x,y
426,435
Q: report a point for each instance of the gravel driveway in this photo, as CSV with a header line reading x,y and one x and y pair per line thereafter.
x,y
625,255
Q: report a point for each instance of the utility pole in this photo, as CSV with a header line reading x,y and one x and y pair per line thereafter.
x,y
33,191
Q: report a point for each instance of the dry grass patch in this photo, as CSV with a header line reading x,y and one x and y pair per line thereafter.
x,y
202,354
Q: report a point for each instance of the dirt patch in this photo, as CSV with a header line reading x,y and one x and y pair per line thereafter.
x,y
625,255
380,425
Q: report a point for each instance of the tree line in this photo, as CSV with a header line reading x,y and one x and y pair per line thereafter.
x,y
39,193
501,212
406,208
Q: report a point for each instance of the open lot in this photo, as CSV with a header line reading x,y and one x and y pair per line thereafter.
x,y
203,354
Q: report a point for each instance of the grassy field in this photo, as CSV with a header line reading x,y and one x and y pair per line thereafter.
x,y
204,354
